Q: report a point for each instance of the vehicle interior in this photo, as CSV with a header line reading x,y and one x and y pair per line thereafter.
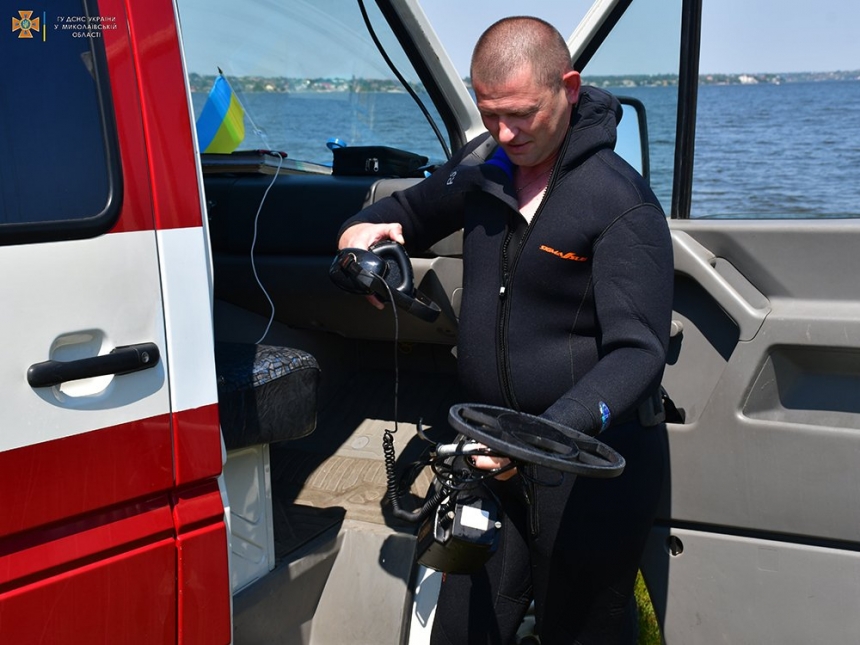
x,y
328,487
760,509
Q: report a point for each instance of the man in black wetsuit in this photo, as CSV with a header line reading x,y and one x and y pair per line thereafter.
x,y
567,298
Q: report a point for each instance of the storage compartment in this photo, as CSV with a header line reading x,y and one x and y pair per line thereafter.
x,y
807,385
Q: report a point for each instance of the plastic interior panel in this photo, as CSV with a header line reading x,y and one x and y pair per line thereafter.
x,y
772,455
799,589
296,243
325,307
766,464
722,282
301,215
698,355
280,608
246,475
332,593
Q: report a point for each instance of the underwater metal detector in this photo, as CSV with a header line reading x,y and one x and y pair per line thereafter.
x,y
460,518
464,530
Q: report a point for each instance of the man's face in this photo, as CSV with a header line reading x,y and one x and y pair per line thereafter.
x,y
528,120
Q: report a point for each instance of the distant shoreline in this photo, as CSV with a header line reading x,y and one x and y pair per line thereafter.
x,y
203,83
724,79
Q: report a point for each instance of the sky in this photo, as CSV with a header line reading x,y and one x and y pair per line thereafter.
x,y
738,36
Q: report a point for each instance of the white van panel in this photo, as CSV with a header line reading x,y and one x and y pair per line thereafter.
x,y
188,305
74,300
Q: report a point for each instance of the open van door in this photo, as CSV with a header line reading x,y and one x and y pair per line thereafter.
x,y
757,538
110,444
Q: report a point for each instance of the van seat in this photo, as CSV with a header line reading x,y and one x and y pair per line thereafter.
x,y
266,393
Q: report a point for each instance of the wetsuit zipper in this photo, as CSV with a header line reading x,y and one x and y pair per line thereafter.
x,y
509,265
506,277
504,313
505,369
504,366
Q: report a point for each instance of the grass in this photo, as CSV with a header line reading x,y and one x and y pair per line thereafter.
x,y
649,628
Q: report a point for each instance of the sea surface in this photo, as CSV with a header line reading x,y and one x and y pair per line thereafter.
x,y
762,151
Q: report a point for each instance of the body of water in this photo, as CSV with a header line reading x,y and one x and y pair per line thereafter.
x,y
790,150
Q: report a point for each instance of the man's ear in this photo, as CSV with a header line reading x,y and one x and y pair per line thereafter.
x,y
572,83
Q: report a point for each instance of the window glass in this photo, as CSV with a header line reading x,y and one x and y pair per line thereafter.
x,y
53,134
778,123
305,72
639,59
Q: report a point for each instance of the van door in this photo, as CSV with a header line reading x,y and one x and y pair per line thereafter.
x,y
757,537
107,459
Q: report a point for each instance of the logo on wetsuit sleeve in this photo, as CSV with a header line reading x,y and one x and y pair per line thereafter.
x,y
605,416
570,255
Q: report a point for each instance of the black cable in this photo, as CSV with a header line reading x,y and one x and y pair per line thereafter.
x,y
393,493
388,451
396,356
402,80
450,481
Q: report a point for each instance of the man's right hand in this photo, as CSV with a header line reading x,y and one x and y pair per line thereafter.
x,y
491,462
365,235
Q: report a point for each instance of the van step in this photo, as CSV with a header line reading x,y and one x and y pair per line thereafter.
x,y
296,525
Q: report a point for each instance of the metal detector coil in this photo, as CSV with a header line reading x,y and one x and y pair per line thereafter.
x,y
534,440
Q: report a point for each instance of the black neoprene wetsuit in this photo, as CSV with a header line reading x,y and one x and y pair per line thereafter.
x,y
566,317
579,302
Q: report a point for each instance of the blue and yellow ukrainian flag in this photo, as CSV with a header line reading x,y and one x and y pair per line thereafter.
x,y
221,125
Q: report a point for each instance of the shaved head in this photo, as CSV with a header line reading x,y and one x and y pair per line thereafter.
x,y
511,44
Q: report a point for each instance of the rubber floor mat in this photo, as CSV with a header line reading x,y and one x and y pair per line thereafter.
x,y
338,472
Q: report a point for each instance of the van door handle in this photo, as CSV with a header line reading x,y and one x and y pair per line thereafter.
x,y
122,360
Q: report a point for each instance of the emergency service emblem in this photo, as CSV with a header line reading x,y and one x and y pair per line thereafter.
x,y
25,25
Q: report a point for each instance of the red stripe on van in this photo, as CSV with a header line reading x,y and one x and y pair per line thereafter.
x,y
95,529
130,598
159,174
166,116
203,575
36,555
46,482
197,437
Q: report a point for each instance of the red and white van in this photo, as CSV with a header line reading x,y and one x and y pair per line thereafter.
x,y
113,524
